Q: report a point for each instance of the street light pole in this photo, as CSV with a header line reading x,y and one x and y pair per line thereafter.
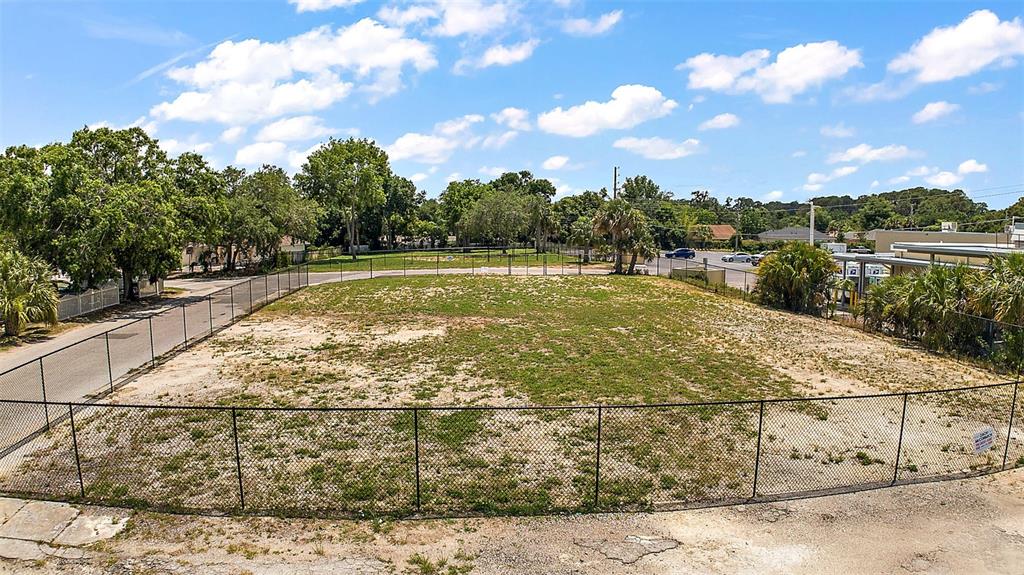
x,y
811,232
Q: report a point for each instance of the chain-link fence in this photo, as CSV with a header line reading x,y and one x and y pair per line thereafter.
x,y
57,441
331,265
93,367
503,460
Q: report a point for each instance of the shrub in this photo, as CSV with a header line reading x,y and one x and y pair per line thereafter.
x,y
26,294
798,277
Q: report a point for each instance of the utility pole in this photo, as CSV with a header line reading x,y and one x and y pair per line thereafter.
x,y
615,182
811,233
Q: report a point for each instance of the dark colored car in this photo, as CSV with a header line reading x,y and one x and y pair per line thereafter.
x,y
685,253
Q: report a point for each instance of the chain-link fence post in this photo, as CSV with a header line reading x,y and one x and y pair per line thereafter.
x,y
231,294
152,345
110,371
416,442
74,443
238,458
184,325
371,268
509,264
1009,428
757,450
42,381
597,463
209,301
899,443
437,264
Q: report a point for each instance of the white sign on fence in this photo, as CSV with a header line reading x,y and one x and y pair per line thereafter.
x,y
984,440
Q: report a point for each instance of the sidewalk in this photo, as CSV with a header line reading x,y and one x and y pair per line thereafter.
x,y
35,530
24,353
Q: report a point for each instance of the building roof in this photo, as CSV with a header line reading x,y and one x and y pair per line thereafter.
x,y
890,259
791,233
722,231
962,250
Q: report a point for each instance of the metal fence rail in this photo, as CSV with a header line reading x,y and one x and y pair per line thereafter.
x,y
57,442
93,367
444,461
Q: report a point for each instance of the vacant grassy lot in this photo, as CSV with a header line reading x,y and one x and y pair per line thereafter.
x,y
445,259
518,341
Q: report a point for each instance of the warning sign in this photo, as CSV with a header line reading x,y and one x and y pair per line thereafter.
x,y
984,439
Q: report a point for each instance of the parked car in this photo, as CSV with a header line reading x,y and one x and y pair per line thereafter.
x,y
738,257
859,250
756,258
684,253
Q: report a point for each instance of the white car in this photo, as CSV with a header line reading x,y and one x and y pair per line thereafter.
x,y
740,257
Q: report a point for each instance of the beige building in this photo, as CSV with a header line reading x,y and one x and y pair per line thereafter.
x,y
886,240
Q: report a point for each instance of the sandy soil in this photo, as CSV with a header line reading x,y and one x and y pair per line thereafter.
x,y
833,359
966,526
826,357
237,361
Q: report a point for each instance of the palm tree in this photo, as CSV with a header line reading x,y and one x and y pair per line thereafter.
x,y
799,277
628,229
581,235
26,294
1002,295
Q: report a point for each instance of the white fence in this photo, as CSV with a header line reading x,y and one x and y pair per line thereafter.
x,y
88,301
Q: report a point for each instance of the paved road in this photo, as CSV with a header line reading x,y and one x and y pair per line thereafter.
x,y
91,364
738,275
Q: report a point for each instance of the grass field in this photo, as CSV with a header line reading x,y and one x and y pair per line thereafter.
x,y
444,259
515,341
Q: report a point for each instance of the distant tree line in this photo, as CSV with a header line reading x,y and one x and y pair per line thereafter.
x,y
112,202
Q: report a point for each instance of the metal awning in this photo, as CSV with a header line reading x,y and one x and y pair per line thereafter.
x,y
890,259
961,250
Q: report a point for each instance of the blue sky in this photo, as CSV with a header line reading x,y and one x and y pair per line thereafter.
x,y
767,100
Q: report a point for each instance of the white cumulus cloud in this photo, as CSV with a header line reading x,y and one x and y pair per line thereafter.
x,y
232,134
865,153
794,71
934,111
515,118
555,162
499,55
247,81
585,27
318,5
817,180
423,148
293,129
492,171
261,153
944,179
720,122
979,41
840,130
971,166
658,148
498,141
631,105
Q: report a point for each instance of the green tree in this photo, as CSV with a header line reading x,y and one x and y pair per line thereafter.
x,y
26,294
874,213
203,203
497,218
798,277
346,178
456,200
264,208
625,230
581,235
